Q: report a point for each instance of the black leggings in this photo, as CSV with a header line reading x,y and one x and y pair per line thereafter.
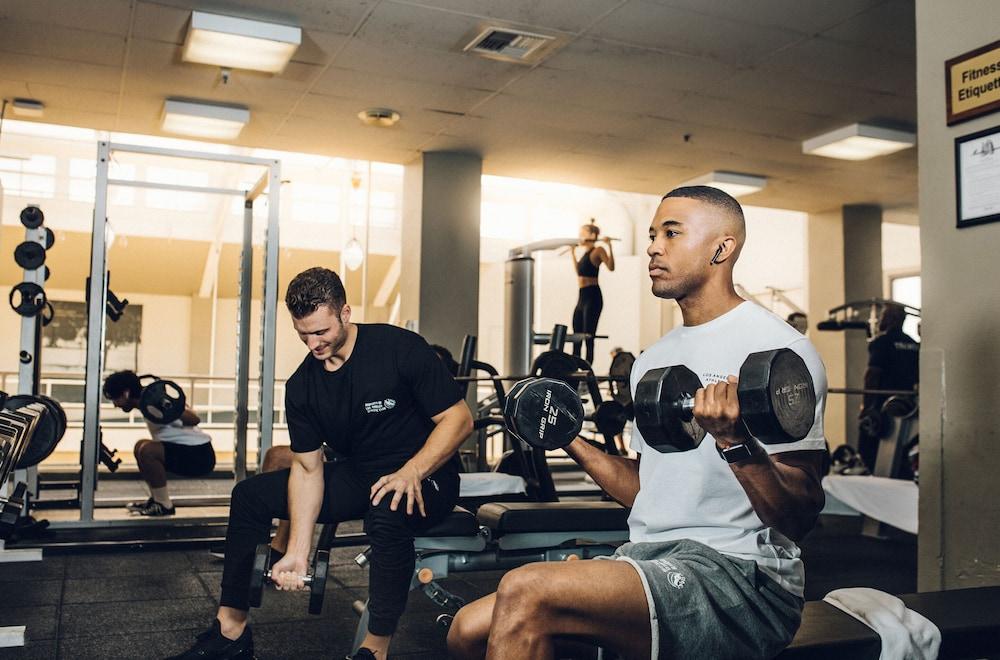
x,y
585,317
257,500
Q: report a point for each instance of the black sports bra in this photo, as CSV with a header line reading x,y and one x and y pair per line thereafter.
x,y
585,267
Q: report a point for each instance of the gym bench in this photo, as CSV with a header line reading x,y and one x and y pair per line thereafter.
x,y
502,536
969,621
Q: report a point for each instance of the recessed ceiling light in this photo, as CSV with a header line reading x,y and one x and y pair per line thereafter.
x,y
733,183
383,117
240,43
208,120
859,142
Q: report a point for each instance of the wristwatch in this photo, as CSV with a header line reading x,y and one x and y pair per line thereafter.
x,y
740,452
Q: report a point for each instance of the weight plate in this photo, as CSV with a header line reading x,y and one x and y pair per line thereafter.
x,y
32,217
317,588
777,397
48,431
29,255
556,365
50,238
162,402
261,558
31,298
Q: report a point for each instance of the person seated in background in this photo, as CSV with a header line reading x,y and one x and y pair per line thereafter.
x,y
893,364
179,447
799,321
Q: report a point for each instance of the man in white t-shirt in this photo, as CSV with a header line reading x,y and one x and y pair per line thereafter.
x,y
711,569
179,447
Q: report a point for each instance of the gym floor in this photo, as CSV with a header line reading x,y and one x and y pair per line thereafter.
x,y
150,604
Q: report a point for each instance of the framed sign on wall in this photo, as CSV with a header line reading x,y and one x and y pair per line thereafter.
x,y
972,82
977,177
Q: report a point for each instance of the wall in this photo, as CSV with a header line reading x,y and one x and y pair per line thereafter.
x,y
959,541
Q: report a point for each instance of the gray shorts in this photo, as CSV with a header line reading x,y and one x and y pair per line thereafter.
x,y
703,604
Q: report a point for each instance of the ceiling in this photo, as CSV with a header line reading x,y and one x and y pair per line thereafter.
x,y
642,95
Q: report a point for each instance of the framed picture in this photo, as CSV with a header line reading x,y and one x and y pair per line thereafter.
x,y
977,177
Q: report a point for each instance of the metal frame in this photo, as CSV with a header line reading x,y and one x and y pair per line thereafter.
x,y
96,322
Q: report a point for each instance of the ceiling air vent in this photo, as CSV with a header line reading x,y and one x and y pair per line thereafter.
x,y
510,45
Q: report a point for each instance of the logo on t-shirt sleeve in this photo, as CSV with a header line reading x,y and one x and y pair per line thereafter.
x,y
380,406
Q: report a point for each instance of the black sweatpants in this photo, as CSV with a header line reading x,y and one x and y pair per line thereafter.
x,y
257,500
585,317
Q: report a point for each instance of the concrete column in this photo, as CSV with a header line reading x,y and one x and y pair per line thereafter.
x,y
959,541
862,244
824,290
439,276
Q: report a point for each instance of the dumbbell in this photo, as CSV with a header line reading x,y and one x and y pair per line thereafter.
x,y
547,413
775,391
260,575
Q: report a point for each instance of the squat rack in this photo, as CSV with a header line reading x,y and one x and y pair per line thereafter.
x,y
270,181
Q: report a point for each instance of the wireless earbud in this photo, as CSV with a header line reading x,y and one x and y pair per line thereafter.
x,y
718,251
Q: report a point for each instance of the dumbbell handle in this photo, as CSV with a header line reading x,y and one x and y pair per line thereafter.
x,y
306,579
685,407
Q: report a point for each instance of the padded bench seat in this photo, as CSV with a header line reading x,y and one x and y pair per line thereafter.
x,y
531,517
459,522
969,620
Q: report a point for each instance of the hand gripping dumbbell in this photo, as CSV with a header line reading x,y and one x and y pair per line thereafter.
x,y
775,391
260,575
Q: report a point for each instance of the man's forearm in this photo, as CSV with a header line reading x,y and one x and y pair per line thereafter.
x,y
783,496
617,475
305,498
441,445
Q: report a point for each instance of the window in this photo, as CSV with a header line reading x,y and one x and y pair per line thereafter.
x,y
906,289
33,178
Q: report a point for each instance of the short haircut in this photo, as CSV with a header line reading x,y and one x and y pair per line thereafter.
x,y
312,288
796,315
709,195
120,382
447,358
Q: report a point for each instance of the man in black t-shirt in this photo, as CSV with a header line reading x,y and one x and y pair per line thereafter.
x,y
380,397
893,364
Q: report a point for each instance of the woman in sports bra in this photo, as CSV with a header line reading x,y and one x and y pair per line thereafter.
x,y
590,303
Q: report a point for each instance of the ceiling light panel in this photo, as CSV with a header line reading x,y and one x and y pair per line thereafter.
x,y
240,43
206,120
732,183
859,142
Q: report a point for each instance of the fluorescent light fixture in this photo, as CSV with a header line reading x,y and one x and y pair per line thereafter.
x,y
733,183
859,142
27,107
240,43
206,120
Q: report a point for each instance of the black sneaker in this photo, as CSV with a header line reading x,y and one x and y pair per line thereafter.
x,y
154,508
362,654
211,645
135,506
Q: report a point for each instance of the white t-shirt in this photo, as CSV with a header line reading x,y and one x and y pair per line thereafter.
x,y
177,433
694,494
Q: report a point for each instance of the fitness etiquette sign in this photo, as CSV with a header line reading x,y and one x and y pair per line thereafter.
x,y
973,83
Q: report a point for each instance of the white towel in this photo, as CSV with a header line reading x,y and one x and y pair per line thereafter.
x,y
906,635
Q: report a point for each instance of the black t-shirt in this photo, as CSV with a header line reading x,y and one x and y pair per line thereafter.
x,y
377,408
897,355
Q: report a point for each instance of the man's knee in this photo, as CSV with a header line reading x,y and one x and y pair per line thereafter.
x,y
145,451
524,591
468,634
277,458
386,526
